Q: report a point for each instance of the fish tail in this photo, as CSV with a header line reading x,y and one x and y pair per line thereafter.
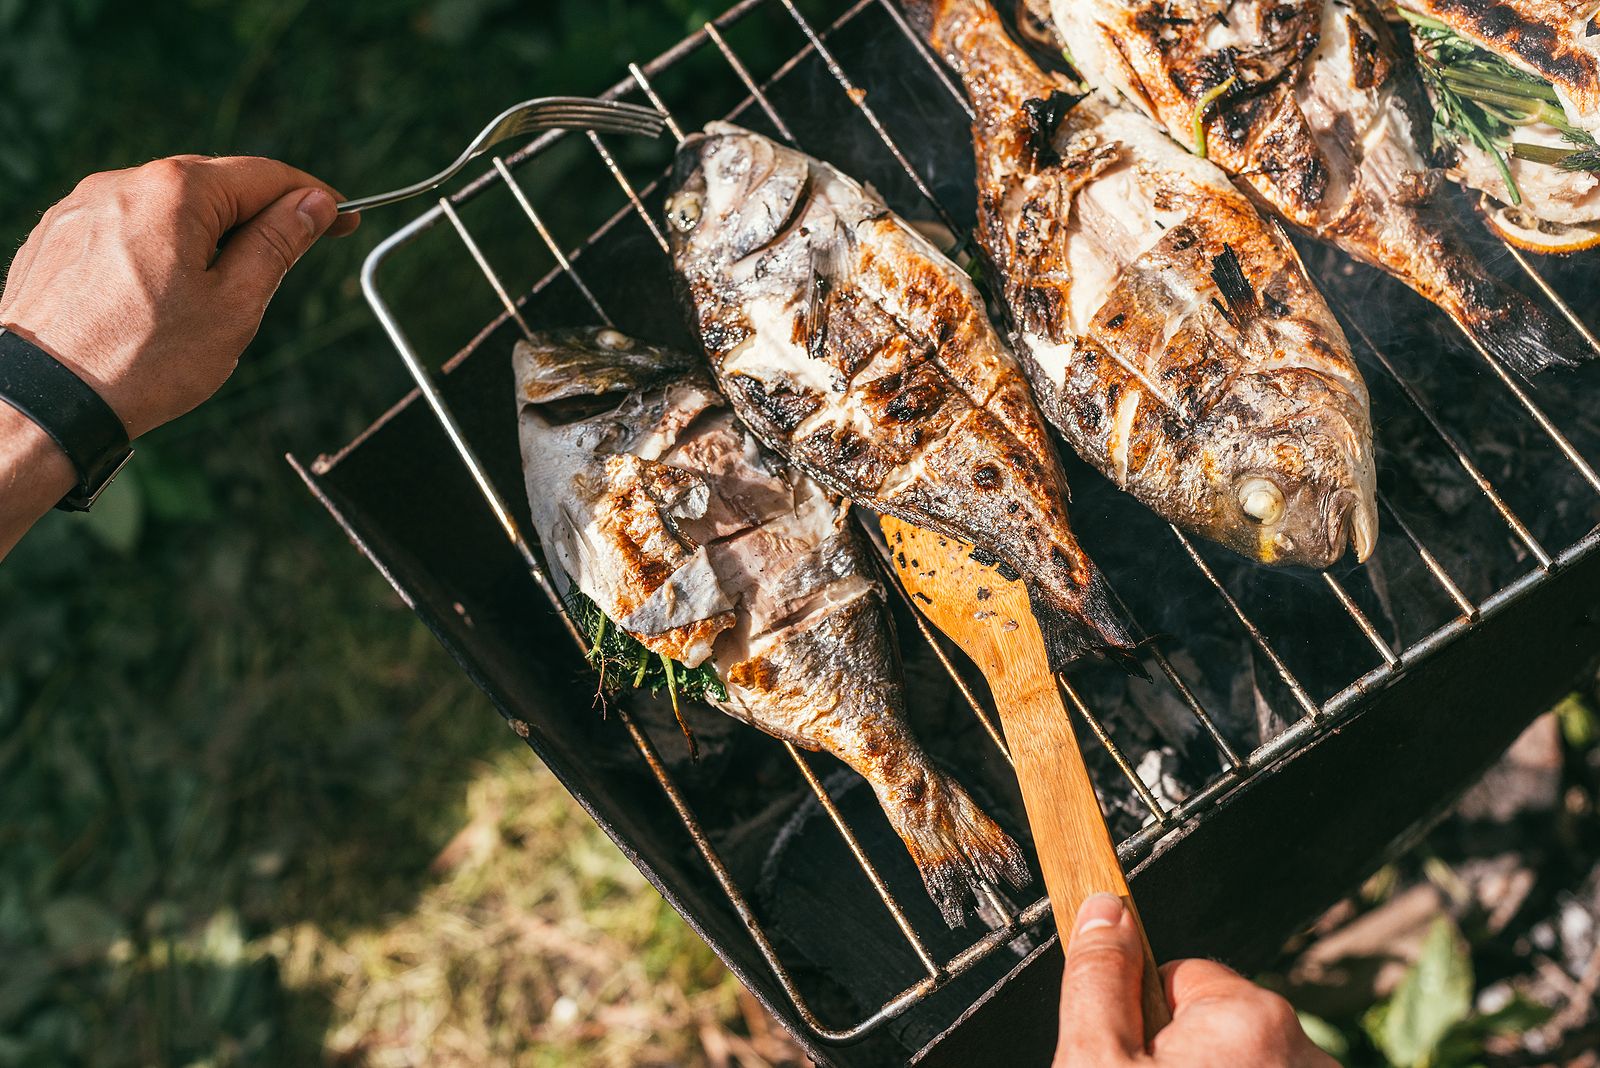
x,y
957,847
1515,330
1084,624
1436,262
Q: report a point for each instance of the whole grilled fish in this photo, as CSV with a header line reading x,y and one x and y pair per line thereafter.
x,y
1171,334
850,345
1307,103
651,498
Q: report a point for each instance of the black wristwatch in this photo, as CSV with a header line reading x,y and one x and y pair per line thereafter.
x,y
64,406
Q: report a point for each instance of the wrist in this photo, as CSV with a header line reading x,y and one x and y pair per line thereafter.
x,y
84,359
34,474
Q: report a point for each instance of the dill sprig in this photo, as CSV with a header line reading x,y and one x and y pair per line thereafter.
x,y
623,662
1483,99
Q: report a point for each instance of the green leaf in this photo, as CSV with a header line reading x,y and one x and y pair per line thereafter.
x,y
1579,725
1434,996
1328,1038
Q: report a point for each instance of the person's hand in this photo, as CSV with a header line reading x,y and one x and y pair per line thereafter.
x,y
1219,1019
149,282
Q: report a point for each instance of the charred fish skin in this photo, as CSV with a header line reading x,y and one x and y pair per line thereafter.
x,y
1308,105
663,509
1171,334
861,354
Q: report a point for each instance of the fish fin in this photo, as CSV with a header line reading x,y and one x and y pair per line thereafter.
x,y
827,269
1513,329
1237,293
956,846
1093,628
1044,115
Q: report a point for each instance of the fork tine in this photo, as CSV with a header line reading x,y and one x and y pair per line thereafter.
x,y
576,113
587,120
610,115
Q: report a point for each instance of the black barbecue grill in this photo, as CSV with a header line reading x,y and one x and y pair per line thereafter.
x,y
1298,723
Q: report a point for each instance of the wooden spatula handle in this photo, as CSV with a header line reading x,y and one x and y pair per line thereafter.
x,y
989,617
1075,849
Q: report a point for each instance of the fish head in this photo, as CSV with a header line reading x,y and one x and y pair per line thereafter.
x,y
733,193
1289,473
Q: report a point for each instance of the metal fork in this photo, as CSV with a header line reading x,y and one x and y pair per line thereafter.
x,y
531,116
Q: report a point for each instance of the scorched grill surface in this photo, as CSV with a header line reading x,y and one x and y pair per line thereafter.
x,y
1297,722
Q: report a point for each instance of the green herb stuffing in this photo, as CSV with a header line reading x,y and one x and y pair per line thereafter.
x,y
624,663
1483,99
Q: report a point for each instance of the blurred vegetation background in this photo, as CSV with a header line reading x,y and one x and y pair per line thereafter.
x,y
249,812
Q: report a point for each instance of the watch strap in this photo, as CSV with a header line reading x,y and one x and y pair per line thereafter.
x,y
69,410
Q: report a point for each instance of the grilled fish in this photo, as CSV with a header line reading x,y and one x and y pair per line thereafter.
x,y
650,497
1307,103
1171,334
854,348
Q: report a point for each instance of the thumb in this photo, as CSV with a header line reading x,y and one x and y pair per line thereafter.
x,y
261,250
1101,1021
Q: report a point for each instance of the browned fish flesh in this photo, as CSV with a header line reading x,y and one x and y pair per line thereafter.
x,y
853,347
651,498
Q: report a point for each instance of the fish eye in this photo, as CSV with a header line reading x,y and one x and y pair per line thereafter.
x,y
683,212
1261,500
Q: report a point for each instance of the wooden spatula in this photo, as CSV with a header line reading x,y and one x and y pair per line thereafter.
x,y
988,616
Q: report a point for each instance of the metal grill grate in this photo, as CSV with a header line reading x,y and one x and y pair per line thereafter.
x,y
1311,717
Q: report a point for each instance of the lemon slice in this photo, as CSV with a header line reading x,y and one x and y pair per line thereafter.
x,y
1527,231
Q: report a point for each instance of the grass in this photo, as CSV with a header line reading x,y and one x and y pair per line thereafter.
x,y
249,812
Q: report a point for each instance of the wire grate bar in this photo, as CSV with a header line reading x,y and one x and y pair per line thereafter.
x,y
649,91
1354,611
1446,583
549,241
926,53
1150,800
627,188
1537,414
483,265
1302,698
1196,709
862,859
750,83
1522,533
858,97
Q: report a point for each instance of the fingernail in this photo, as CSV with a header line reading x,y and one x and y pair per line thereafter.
x,y
318,210
1100,910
